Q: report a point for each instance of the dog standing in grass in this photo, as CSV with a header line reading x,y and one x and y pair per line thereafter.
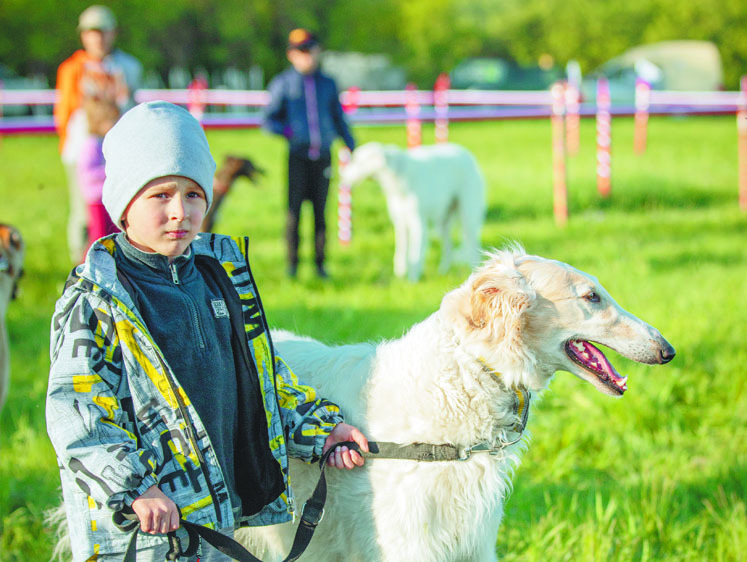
x,y
11,268
427,185
448,404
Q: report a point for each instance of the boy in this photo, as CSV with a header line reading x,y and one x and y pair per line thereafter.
x,y
305,108
164,387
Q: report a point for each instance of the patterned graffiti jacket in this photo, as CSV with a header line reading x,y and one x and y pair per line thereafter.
x,y
120,422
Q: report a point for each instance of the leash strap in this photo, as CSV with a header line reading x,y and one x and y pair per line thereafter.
x,y
424,452
311,514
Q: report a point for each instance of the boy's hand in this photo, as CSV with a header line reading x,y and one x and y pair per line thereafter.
x,y
344,457
158,514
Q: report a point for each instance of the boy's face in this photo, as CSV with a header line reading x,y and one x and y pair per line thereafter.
x,y
165,216
305,61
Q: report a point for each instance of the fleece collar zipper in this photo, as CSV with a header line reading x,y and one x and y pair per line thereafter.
x,y
174,273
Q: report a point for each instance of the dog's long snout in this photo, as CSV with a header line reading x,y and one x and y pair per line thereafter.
x,y
667,353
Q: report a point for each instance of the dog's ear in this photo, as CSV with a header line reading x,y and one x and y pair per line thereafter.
x,y
499,295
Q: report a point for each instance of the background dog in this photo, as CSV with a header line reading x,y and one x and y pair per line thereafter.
x,y
11,269
232,168
425,185
463,377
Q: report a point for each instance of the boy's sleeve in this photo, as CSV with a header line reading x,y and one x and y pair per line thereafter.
x,y
307,419
274,117
90,427
338,116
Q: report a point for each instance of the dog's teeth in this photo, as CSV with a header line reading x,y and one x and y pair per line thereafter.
x,y
578,345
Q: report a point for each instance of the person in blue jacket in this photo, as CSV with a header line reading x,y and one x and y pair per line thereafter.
x,y
166,394
305,108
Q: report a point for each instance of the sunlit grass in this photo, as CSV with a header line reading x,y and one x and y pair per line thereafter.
x,y
660,474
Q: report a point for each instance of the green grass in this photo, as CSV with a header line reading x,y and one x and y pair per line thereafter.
x,y
659,475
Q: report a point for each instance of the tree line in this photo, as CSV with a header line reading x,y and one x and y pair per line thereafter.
x,y
425,37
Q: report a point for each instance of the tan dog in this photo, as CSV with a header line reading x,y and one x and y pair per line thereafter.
x,y
460,380
232,168
11,269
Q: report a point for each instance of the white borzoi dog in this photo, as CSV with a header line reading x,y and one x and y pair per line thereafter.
x,y
427,185
462,377
11,268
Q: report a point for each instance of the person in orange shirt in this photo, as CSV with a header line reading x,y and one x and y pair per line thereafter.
x,y
97,71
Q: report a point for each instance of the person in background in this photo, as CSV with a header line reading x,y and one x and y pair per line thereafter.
x,y
98,70
101,115
305,108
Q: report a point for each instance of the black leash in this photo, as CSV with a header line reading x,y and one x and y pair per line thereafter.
x,y
311,515
313,509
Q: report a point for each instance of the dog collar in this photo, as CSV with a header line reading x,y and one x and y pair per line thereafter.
x,y
522,397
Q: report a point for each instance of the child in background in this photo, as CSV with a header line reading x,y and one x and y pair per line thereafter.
x,y
165,390
305,108
101,115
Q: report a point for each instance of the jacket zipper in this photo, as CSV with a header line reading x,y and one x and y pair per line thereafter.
x,y
291,502
182,406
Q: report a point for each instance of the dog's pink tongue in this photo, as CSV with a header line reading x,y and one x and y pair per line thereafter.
x,y
596,360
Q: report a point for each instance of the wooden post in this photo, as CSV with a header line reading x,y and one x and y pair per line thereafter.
x,y
560,189
572,117
441,107
742,145
412,108
642,101
344,201
604,138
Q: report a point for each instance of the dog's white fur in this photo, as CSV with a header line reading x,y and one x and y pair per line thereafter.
x,y
425,185
513,314
11,266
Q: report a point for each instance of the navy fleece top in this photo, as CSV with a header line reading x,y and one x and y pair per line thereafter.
x,y
189,322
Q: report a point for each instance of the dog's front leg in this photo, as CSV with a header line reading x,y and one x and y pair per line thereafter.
x,y
400,240
417,238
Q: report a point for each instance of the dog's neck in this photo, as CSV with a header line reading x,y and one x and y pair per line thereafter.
x,y
487,409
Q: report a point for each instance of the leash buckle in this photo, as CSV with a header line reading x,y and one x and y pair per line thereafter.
x,y
312,514
464,453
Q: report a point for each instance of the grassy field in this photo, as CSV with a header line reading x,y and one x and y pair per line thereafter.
x,y
659,475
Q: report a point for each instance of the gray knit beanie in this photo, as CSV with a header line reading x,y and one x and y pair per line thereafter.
x,y
153,140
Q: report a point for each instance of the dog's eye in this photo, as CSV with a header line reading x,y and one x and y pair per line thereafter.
x,y
591,296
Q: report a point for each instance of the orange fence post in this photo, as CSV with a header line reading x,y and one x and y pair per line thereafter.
x,y
604,138
642,101
412,108
742,144
441,107
572,117
560,188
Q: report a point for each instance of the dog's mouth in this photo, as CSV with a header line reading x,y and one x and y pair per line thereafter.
x,y
592,360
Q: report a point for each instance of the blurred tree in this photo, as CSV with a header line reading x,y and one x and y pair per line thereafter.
x,y
424,36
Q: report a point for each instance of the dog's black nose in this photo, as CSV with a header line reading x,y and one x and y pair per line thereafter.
x,y
667,354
